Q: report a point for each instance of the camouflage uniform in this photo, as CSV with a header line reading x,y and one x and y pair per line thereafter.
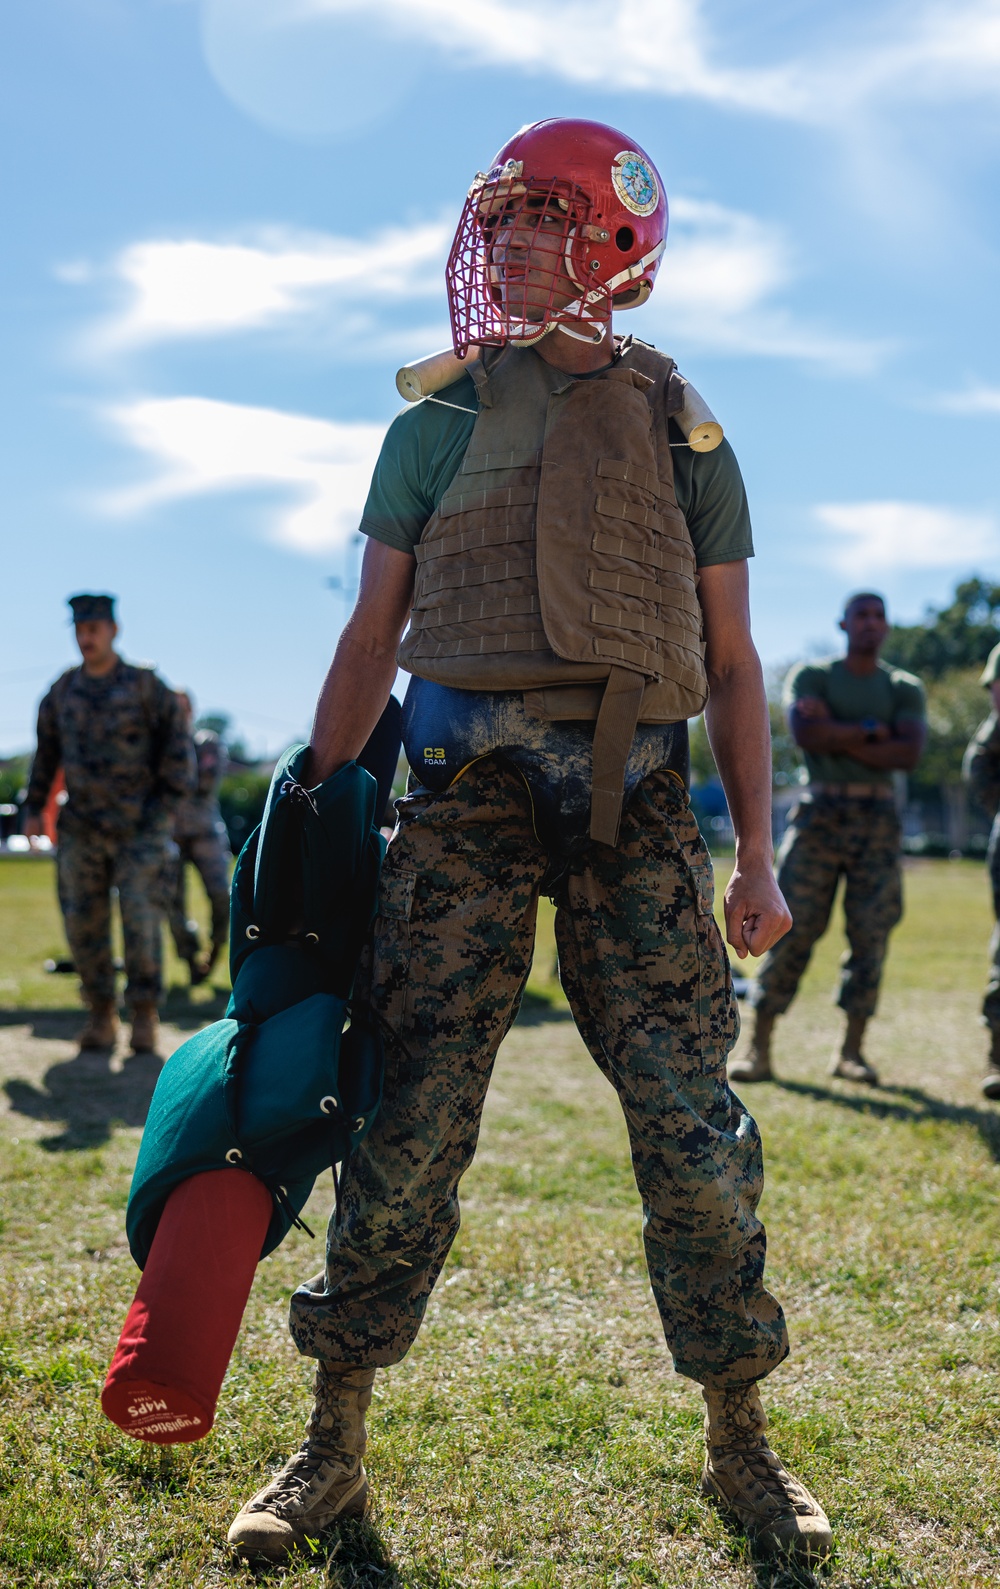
x,y
127,760
643,966
200,837
829,836
982,768
844,826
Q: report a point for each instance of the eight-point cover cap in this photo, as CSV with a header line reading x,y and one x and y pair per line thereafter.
x,y
86,608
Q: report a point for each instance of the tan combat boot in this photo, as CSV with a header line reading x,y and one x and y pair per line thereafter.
x,y
145,1028
756,1066
745,1477
991,1081
101,1028
847,1061
324,1481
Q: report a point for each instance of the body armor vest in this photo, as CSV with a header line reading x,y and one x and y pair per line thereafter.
x,y
558,561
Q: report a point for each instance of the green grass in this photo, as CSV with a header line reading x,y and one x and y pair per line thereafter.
x,y
536,1435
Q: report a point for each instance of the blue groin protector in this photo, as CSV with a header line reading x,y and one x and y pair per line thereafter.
x,y
290,1081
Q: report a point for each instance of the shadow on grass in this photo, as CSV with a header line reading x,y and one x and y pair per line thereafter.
x,y
177,1007
357,1557
87,1098
85,1095
906,1104
773,1572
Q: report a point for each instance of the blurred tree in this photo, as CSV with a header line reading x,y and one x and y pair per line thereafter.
x,y
785,758
217,723
13,777
242,796
961,635
956,705
703,768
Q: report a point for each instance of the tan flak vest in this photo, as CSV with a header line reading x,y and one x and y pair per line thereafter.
x,y
558,561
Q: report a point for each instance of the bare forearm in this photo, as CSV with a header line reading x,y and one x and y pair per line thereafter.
x,y
350,703
740,735
827,738
363,669
887,755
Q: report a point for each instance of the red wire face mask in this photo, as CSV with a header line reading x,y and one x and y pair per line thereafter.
x,y
514,271
533,253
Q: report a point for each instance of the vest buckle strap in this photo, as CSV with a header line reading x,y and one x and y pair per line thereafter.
x,y
613,734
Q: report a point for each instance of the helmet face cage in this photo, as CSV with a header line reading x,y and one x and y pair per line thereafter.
x,y
489,296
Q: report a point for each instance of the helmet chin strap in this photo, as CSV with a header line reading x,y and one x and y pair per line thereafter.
x,y
529,342
581,336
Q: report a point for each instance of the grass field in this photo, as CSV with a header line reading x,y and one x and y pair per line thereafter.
x,y
536,1435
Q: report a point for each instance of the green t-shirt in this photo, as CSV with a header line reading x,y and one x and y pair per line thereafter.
x,y
426,443
888,694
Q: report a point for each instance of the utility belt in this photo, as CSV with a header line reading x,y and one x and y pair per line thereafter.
x,y
445,730
849,791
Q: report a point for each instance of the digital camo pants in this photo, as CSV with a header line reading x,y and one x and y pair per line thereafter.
x,y
648,980
207,854
88,865
828,838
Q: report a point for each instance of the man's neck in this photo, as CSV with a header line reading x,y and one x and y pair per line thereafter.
x,y
575,357
100,670
861,662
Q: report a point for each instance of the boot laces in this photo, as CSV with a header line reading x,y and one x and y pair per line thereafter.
x,y
289,1490
740,1433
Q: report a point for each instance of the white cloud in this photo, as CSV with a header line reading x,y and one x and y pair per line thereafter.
x,y
976,400
195,287
717,286
905,535
200,446
721,274
939,49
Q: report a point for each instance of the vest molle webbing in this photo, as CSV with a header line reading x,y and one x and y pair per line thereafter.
x,y
558,555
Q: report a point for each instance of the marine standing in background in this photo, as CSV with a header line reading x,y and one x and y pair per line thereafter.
x,y
857,721
119,734
982,768
200,837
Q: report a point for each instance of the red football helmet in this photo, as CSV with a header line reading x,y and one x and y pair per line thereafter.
x,y
568,223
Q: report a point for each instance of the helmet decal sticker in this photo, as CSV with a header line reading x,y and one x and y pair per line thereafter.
x,y
635,182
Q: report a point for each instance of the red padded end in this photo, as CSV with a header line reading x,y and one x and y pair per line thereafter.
x,y
172,1355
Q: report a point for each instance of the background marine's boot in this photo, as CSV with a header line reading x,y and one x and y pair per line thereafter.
x,y
101,1027
745,1477
756,1066
324,1481
847,1060
991,1081
145,1027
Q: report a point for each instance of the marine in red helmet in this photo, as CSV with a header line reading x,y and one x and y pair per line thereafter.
x,y
572,580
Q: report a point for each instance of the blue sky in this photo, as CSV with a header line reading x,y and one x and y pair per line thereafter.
x,y
225,226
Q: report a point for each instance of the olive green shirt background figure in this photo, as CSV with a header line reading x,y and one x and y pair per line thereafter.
x,y
856,722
